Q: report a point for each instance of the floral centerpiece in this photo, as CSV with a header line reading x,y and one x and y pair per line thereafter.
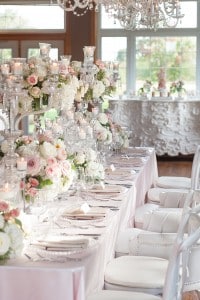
x,y
102,85
102,129
44,89
87,160
146,88
177,87
48,166
11,233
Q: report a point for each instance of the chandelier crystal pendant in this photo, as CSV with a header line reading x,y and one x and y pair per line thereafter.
x,y
78,7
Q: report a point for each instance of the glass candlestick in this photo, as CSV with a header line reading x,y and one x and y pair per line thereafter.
x,y
44,50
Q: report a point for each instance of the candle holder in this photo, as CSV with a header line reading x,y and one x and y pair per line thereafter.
x,y
64,64
44,51
89,69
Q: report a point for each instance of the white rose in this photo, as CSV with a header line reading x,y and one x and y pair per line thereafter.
x,y
102,135
80,158
4,146
98,89
103,118
97,125
2,221
48,150
4,243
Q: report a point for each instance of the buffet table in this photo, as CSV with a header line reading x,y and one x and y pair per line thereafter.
x,y
128,178
170,126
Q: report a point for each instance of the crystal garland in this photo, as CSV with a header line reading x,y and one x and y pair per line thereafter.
x,y
131,14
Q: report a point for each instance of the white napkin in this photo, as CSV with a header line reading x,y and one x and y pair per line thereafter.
x,y
61,244
79,214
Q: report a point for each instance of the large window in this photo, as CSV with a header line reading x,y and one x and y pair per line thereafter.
x,y
145,53
31,17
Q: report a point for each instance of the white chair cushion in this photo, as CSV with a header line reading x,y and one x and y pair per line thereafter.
x,y
137,273
174,198
121,295
152,244
140,211
162,220
167,197
153,195
173,182
123,238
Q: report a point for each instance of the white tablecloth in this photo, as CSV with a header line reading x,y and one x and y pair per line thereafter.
x,y
95,259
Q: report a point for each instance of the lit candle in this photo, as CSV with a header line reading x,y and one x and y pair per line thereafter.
x,y
6,192
82,134
54,67
44,49
21,164
17,68
89,50
5,69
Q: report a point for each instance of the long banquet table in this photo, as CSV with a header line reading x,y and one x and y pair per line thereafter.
x,y
129,176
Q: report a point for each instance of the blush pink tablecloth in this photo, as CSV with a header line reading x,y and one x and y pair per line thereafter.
x,y
41,283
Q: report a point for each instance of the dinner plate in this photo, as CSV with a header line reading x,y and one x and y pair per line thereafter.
x,y
108,189
57,256
119,173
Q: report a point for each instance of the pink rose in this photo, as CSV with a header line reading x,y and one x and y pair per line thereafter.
x,y
31,192
66,168
33,165
34,182
14,213
45,137
61,154
52,162
52,172
32,79
3,205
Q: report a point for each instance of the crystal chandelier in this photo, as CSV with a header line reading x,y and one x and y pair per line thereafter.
x,y
151,14
131,14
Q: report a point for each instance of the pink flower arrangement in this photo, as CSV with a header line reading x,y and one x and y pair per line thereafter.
x,y
47,164
11,233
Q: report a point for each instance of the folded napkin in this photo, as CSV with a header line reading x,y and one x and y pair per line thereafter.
x,y
111,189
80,213
61,244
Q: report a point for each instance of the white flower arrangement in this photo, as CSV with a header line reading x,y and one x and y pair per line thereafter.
x,y
87,159
11,233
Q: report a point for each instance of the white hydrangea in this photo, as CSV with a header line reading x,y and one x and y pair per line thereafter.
x,y
91,155
4,243
98,89
95,170
16,239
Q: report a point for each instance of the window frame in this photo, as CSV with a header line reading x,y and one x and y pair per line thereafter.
x,y
131,44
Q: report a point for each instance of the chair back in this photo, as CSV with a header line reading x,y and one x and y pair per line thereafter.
x,y
195,174
180,277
